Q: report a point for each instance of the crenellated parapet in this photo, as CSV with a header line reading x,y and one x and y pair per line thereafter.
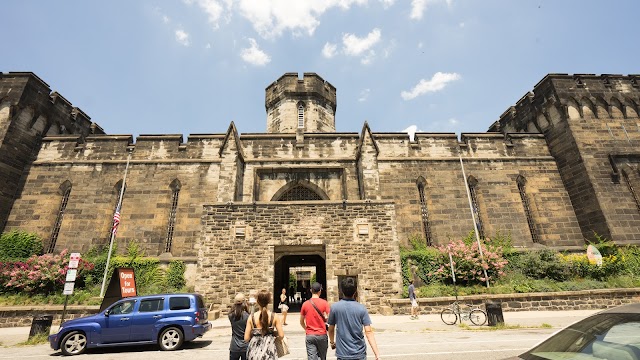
x,y
293,104
39,110
579,96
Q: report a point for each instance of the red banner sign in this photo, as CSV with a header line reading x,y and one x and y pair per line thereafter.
x,y
127,282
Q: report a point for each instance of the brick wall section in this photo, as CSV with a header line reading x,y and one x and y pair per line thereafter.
x,y
17,316
553,301
227,265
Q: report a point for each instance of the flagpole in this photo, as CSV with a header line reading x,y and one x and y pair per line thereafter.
x,y
113,233
473,216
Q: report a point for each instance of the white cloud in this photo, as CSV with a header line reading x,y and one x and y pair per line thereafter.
x,y
418,7
387,3
461,24
329,50
364,95
182,37
253,55
270,18
420,45
208,46
165,19
437,83
356,46
453,122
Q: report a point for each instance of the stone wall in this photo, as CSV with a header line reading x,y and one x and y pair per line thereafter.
x,y
16,316
554,301
228,264
592,126
28,111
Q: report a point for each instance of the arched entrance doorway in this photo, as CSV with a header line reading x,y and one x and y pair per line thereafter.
x,y
296,268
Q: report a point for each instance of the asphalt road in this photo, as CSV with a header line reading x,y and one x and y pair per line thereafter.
x,y
454,344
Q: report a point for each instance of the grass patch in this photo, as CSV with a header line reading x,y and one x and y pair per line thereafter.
x,y
35,340
503,326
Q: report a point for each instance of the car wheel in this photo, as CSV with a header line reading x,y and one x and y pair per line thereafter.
x,y
170,339
74,343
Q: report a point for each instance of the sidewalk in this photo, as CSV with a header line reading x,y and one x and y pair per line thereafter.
x,y
381,323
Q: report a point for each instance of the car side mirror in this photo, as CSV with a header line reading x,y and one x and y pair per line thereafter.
x,y
106,313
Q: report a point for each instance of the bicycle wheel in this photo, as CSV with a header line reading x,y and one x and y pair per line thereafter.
x,y
448,316
478,317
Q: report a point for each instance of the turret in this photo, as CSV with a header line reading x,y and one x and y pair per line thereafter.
x,y
294,104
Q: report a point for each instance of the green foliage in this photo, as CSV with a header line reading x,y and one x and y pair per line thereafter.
x,y
605,246
19,245
175,275
540,264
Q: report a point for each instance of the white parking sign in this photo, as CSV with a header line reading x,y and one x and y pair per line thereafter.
x,y
68,288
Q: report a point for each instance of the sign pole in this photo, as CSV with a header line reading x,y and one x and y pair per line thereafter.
x,y
64,310
113,234
473,217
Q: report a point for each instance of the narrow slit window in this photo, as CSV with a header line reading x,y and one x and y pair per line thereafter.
x,y
631,189
300,116
473,185
425,214
175,187
60,216
527,209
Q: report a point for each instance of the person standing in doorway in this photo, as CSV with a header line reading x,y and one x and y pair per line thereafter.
x,y
292,293
284,305
414,301
350,318
238,317
313,321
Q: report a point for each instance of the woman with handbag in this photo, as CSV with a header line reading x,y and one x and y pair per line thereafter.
x,y
284,305
263,329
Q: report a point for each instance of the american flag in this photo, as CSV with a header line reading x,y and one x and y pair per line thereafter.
x,y
116,221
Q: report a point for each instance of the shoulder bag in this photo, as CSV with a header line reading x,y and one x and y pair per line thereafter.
x,y
320,313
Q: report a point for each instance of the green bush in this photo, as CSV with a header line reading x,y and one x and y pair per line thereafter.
x,y
175,275
540,264
19,245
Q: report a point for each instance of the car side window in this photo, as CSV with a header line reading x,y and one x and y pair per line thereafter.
x,y
151,305
179,303
125,307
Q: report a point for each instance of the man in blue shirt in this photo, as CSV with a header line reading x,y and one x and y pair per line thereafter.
x,y
350,317
414,301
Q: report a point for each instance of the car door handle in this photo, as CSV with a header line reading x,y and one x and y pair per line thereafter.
x,y
157,316
124,319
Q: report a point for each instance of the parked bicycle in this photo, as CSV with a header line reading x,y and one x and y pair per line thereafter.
x,y
459,312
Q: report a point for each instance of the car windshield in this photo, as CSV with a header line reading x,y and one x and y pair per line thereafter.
x,y
602,336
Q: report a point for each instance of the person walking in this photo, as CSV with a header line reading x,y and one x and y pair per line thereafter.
x,y
414,301
238,317
284,305
313,321
262,329
350,318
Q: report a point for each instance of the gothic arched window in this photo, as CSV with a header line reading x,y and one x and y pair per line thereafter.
x,y
65,191
473,184
299,193
521,181
631,189
424,212
175,192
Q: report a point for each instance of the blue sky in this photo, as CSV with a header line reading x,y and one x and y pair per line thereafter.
x,y
193,66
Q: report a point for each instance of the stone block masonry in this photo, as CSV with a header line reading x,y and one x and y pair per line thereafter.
x,y
228,263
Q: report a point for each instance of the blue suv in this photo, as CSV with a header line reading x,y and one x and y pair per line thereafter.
x,y
166,319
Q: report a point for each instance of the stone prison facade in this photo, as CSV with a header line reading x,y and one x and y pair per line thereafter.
x,y
242,209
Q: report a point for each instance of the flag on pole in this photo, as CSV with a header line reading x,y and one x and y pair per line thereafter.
x,y
116,221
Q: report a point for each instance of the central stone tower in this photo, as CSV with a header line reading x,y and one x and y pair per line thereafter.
x,y
300,105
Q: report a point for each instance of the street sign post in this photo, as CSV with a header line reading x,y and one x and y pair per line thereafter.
x,y
70,281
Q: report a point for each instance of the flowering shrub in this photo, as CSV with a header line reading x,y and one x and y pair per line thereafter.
x,y
580,266
468,265
39,274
